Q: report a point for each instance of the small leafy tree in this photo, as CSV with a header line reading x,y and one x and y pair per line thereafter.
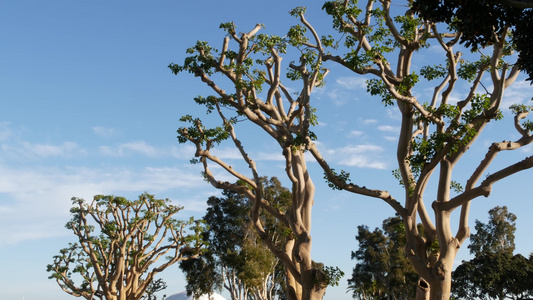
x,y
383,270
119,243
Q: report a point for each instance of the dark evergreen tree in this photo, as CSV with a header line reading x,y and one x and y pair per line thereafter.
x,y
237,260
497,236
382,271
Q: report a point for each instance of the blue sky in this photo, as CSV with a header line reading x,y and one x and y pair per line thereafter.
x,y
88,106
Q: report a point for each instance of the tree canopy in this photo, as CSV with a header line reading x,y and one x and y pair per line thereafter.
x,y
236,259
497,236
383,270
480,22
119,243
494,272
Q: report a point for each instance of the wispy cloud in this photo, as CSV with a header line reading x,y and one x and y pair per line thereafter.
x,y
136,147
362,156
342,90
351,83
370,121
105,132
5,131
27,150
388,128
519,92
144,149
35,202
356,133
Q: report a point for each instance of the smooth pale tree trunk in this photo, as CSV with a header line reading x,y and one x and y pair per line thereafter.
x,y
440,288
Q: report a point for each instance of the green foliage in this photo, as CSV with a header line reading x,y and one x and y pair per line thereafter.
x,y
425,149
456,186
433,72
376,87
408,25
494,275
494,272
202,62
522,108
338,11
382,271
154,287
333,275
497,235
469,70
297,35
229,27
481,21
201,134
296,12
233,244
343,177
264,43
459,134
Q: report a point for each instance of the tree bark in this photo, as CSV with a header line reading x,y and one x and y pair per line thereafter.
x,y
422,290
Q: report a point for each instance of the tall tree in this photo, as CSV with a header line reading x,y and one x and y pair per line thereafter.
x,y
494,272
497,236
119,244
235,253
383,270
435,132
254,66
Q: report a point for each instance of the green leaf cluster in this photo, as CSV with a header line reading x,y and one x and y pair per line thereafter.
x,y
383,270
494,272
235,247
200,133
343,177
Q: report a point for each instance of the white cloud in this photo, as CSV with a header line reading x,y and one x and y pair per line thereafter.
x,y
144,149
388,128
27,150
370,121
226,153
270,156
356,133
104,132
5,131
393,114
517,93
344,89
137,147
35,202
362,156
351,83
